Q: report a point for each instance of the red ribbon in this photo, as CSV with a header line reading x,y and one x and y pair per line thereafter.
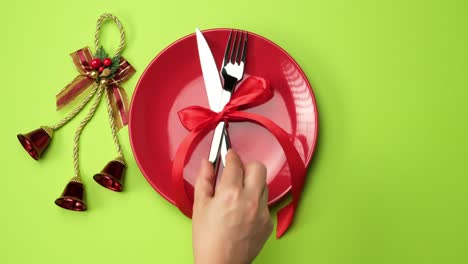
x,y
119,100
199,121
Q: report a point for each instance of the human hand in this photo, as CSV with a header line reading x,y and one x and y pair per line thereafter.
x,y
231,222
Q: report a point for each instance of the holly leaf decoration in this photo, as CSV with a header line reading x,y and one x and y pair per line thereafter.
x,y
115,65
101,53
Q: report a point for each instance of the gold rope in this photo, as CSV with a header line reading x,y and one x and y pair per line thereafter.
x,y
76,179
83,123
77,109
108,92
113,127
119,25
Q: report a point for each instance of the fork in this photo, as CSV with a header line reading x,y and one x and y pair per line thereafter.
x,y
232,72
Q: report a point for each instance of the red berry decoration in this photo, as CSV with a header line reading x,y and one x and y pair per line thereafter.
x,y
107,62
95,63
101,68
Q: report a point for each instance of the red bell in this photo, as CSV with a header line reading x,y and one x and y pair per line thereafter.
x,y
36,142
72,197
112,175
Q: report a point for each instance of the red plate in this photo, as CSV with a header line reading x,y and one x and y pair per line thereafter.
x,y
173,81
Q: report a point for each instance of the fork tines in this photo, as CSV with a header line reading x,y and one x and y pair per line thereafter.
x,y
236,49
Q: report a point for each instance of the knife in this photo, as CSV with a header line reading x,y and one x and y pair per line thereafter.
x,y
214,89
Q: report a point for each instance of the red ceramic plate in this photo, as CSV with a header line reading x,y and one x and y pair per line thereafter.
x,y
173,81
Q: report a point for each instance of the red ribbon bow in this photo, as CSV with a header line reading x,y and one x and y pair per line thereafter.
x,y
199,121
119,99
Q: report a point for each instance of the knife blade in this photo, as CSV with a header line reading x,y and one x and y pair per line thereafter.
x,y
213,86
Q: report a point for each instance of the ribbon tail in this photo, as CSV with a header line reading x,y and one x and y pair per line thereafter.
x,y
81,59
124,72
119,104
285,218
73,90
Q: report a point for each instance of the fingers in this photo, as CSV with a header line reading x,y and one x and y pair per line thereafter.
x,y
255,179
264,196
266,211
204,182
233,174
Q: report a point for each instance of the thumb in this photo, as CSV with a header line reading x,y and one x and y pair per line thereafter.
x,y
204,183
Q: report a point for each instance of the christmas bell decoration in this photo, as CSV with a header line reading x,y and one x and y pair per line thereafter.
x,y
35,142
111,177
100,75
72,196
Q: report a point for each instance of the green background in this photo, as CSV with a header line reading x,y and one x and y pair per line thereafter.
x,y
388,182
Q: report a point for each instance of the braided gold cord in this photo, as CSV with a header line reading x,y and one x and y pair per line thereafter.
x,y
80,128
48,130
76,179
112,124
121,160
101,19
77,109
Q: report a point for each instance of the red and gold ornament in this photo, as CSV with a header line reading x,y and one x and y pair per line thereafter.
x,y
99,74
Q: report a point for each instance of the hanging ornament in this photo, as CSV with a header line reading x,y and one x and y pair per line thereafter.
x,y
99,74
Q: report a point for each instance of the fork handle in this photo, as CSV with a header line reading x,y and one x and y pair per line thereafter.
x,y
219,141
225,146
216,143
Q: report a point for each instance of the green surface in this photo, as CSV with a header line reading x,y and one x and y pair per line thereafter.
x,y
388,181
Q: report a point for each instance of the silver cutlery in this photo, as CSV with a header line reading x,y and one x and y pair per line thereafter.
x,y
232,72
213,86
